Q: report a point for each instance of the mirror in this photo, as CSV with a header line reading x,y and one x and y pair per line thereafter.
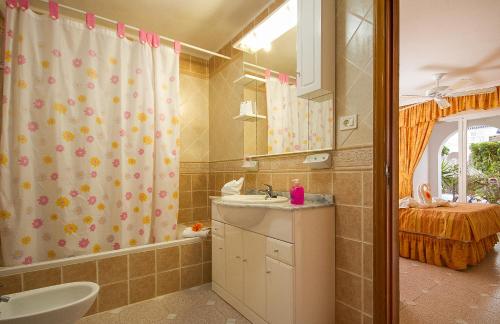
x,y
278,121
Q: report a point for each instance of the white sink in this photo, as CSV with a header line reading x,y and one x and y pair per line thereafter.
x,y
253,199
61,304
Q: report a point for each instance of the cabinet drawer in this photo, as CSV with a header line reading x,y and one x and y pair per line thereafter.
x,y
279,250
218,228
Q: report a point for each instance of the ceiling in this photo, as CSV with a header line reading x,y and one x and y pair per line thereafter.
x,y
283,54
459,37
207,24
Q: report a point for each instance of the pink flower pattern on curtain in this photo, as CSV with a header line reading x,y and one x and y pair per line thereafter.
x,y
89,151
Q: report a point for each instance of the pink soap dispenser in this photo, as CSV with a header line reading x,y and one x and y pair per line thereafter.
x,y
296,193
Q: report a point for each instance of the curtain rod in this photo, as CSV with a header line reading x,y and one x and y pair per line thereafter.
x,y
263,68
199,49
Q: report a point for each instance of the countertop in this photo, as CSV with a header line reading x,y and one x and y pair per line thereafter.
x,y
311,201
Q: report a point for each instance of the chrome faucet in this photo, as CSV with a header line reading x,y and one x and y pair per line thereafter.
x,y
4,299
269,192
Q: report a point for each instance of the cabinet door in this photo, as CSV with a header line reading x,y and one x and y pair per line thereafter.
x,y
254,262
308,46
234,261
218,261
279,292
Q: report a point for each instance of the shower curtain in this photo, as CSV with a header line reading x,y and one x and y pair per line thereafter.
x,y
321,124
89,150
296,124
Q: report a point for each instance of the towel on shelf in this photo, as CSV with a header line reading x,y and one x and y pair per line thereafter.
x,y
188,232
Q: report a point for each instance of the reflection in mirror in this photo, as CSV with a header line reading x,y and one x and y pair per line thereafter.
x,y
289,123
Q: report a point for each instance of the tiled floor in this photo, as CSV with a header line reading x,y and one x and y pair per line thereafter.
x,y
198,305
438,295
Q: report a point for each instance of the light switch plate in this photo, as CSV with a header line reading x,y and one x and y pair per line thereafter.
x,y
348,122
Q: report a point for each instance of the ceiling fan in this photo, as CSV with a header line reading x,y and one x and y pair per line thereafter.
x,y
438,93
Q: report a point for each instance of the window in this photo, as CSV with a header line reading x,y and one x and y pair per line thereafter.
x,y
469,160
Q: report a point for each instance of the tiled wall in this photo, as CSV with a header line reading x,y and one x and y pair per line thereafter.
x,y
126,279
194,92
193,198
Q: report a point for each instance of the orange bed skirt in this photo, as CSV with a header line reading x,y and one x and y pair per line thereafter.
x,y
453,254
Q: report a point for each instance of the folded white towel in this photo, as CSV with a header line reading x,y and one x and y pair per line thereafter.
x,y
188,232
233,187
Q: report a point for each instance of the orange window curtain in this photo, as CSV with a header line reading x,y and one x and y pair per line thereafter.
x,y
412,143
415,128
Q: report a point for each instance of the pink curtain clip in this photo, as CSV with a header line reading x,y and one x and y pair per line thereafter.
x,y
11,3
90,20
142,36
285,78
53,10
24,4
156,40
120,29
149,37
267,73
281,77
177,47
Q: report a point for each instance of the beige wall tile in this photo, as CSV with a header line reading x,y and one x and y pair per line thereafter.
x,y
280,182
191,276
200,198
184,182
112,269
348,255
10,284
142,263
367,261
191,254
367,225
185,215
348,289
185,200
207,250
346,315
142,288
200,214
41,278
168,282
368,297
207,272
263,178
348,221
113,296
320,182
199,181
85,271
219,181
250,181
367,320
367,189
347,188
167,259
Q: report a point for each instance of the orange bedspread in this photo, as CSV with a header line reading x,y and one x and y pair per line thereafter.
x,y
451,236
465,222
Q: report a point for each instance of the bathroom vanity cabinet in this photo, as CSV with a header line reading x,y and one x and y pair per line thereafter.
x,y
275,264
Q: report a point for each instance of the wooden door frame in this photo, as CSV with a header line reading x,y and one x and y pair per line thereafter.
x,y
385,162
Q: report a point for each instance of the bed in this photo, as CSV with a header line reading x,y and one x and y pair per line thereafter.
x,y
449,236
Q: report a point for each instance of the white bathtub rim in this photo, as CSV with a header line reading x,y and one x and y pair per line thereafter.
x,y
12,270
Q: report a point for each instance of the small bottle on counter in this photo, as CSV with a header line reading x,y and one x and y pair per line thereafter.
x,y
296,193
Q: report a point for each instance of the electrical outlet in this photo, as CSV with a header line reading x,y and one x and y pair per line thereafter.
x,y
349,122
